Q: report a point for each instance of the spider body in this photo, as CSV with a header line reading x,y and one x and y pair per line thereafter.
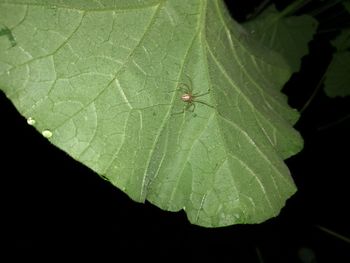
x,y
187,97
190,98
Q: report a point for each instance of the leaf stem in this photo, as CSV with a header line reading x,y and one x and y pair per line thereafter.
x,y
329,30
258,9
339,236
292,8
324,8
316,90
313,95
329,125
258,253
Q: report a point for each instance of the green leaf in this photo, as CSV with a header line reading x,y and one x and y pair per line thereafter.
x,y
337,82
337,78
342,42
346,4
100,80
287,35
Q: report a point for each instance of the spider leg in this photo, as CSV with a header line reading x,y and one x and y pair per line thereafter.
x,y
190,87
185,108
191,104
180,112
204,103
184,87
200,95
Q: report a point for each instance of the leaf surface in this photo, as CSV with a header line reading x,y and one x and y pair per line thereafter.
x,y
337,78
100,80
287,35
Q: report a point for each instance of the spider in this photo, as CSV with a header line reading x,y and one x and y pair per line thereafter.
x,y
191,98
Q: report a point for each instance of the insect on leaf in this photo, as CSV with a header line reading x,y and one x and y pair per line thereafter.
x,y
100,79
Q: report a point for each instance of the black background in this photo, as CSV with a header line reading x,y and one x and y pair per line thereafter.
x,y
53,207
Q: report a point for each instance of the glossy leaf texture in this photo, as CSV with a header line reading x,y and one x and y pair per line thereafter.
x,y
100,80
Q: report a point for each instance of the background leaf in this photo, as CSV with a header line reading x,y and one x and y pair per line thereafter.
x,y
342,42
337,79
337,82
101,79
287,35
346,4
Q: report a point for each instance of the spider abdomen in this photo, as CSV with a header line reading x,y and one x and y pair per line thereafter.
x,y
187,97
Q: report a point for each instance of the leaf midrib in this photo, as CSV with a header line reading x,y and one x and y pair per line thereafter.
x,y
167,118
62,6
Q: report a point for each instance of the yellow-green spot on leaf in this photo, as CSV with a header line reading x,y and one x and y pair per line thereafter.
x,y
47,134
31,121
